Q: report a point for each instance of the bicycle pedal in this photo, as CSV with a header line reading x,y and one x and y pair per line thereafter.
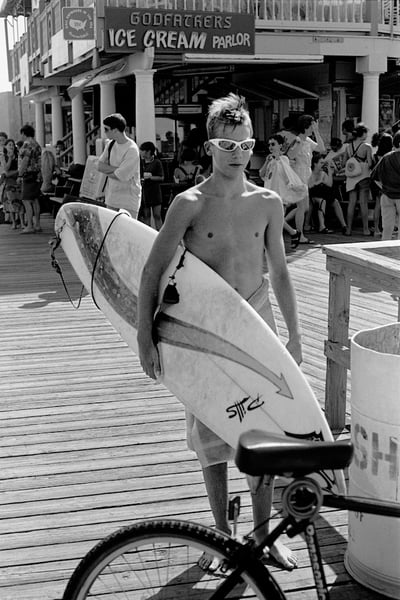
x,y
234,508
233,513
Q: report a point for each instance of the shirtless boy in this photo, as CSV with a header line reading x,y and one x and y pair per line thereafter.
x,y
227,222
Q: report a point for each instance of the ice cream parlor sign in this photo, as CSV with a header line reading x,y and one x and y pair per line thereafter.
x,y
128,30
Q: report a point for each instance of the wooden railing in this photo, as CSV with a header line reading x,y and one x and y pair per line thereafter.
x,y
66,155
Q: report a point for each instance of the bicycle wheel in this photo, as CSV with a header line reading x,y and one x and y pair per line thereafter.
x,y
158,560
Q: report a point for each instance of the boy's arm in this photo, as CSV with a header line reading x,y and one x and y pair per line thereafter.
x,y
128,165
281,280
178,219
106,168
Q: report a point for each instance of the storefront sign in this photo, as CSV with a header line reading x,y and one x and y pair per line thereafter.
x,y
170,31
78,23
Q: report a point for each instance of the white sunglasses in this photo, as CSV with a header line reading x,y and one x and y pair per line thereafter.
x,y
231,145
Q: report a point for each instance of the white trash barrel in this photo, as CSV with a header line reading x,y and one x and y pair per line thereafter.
x,y
373,554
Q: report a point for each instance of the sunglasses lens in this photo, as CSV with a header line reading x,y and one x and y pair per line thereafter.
x,y
247,145
227,145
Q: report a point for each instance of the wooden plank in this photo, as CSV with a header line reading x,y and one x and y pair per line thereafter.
x,y
89,443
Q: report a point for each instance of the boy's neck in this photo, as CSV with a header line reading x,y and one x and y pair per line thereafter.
x,y
227,185
121,137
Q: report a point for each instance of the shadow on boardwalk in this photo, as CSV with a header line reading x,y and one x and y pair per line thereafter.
x,y
89,443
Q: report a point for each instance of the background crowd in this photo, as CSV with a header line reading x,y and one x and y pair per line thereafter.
x,y
315,183
351,172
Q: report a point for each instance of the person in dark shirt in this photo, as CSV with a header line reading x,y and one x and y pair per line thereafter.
x,y
387,173
152,174
30,177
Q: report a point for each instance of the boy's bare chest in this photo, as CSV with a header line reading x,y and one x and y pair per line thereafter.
x,y
229,227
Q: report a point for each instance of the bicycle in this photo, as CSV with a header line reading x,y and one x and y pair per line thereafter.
x,y
158,559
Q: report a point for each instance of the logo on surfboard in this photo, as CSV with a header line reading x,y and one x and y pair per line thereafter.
x,y
241,408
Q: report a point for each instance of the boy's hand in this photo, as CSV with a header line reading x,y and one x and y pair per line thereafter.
x,y
150,359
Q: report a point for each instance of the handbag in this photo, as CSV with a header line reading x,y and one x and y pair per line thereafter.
x,y
293,188
352,167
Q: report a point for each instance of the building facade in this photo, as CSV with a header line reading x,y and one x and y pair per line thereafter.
x,y
160,62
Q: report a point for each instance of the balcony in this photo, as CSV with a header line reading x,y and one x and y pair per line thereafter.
x,y
47,53
295,15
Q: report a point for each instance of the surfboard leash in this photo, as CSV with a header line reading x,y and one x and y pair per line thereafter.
x,y
96,260
54,244
171,294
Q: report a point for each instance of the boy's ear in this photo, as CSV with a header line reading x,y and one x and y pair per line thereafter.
x,y
207,148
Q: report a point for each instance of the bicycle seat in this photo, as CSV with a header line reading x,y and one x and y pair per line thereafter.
x,y
262,453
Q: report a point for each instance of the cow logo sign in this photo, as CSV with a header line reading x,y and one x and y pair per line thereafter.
x,y
78,23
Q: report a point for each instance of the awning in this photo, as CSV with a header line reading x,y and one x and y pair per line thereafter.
x,y
81,82
256,59
273,89
299,91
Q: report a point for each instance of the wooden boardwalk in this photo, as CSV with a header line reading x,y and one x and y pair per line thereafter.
x,y
88,443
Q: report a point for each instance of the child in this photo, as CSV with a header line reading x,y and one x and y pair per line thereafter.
x,y
227,222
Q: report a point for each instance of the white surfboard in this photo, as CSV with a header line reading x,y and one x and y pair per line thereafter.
x,y
218,355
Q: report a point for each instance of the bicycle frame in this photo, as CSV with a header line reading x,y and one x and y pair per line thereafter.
x,y
291,527
366,505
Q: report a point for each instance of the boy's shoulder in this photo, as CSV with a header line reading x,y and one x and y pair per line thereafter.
x,y
262,191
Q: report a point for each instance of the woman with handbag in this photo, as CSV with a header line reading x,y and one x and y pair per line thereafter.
x,y
279,177
358,164
300,153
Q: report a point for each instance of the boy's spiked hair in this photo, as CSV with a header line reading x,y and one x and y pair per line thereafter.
x,y
228,111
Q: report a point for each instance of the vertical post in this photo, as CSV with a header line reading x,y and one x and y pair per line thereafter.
x,y
56,119
78,129
107,101
39,123
371,66
145,108
338,332
370,101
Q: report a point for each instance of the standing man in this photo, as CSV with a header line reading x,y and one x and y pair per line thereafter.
x,y
30,177
227,222
120,161
387,172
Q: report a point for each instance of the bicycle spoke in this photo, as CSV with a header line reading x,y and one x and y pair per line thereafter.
x,y
157,562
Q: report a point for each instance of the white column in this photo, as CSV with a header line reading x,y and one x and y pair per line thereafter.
x,y
39,122
371,66
56,119
107,101
78,130
145,110
370,102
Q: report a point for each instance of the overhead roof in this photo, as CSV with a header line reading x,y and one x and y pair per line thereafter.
x,y
274,89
